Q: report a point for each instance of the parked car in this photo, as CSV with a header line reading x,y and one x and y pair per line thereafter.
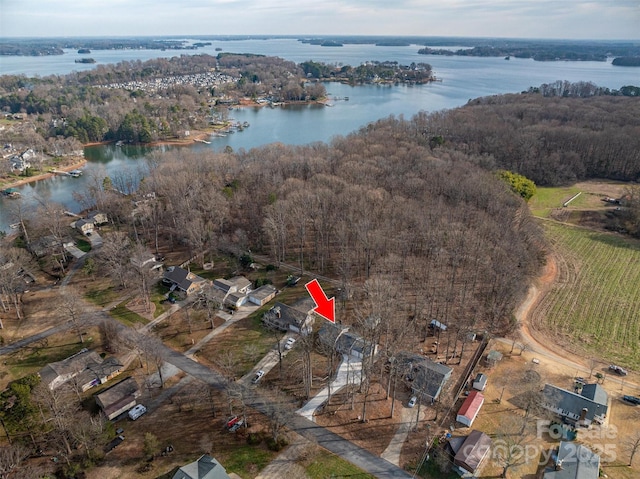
x,y
231,421
137,411
257,377
289,344
618,370
631,399
581,380
412,402
236,426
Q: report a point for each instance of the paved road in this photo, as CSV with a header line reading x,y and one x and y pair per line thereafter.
x,y
362,458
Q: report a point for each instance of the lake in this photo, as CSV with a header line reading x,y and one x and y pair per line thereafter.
x,y
462,79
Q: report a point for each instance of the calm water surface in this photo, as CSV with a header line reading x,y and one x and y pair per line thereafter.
x,y
463,78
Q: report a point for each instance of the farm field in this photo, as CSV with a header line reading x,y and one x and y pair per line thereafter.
x,y
594,305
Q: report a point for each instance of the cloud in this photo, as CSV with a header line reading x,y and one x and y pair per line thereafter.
x,y
510,18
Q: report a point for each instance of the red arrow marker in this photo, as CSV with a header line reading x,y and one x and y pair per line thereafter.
x,y
324,307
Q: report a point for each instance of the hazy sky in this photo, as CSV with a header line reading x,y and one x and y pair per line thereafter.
x,y
579,19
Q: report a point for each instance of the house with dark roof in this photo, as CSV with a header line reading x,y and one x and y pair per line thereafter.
x,y
345,341
206,467
573,461
184,280
119,398
98,218
583,409
84,226
425,377
289,318
469,452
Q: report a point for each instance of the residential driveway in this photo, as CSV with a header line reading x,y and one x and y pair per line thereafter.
x,y
95,239
349,372
268,362
74,251
392,452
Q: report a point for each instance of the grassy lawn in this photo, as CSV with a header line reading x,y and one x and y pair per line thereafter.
x,y
248,341
83,245
126,316
326,465
547,199
101,297
595,303
56,348
246,460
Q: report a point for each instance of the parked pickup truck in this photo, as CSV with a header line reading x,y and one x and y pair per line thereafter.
x,y
631,399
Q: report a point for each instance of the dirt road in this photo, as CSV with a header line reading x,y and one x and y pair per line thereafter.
x,y
536,341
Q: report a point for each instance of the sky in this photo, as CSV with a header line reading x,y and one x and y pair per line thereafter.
x,y
563,19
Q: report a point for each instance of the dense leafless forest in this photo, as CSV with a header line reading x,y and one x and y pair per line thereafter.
x,y
551,140
449,239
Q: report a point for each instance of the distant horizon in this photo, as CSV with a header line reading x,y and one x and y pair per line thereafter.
x,y
254,36
527,19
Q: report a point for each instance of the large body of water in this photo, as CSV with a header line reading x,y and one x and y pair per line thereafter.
x,y
462,79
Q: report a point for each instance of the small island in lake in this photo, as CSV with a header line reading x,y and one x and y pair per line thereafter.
x,y
84,51
85,60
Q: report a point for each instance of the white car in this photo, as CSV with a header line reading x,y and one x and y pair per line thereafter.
x,y
289,344
137,411
412,402
258,376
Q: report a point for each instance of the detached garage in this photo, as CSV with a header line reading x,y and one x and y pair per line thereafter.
x,y
470,408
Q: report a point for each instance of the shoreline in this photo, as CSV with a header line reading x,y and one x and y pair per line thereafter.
x,y
44,176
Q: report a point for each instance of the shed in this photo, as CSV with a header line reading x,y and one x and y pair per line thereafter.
x,y
480,382
493,357
435,324
470,408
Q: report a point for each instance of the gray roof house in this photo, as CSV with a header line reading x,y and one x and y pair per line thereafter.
x,y
184,280
206,467
425,377
573,461
263,294
86,368
237,284
289,318
345,341
580,409
84,226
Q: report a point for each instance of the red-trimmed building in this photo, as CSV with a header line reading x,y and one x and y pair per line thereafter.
x,y
470,408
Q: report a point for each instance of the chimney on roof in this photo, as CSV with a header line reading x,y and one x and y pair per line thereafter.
x,y
583,414
277,311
